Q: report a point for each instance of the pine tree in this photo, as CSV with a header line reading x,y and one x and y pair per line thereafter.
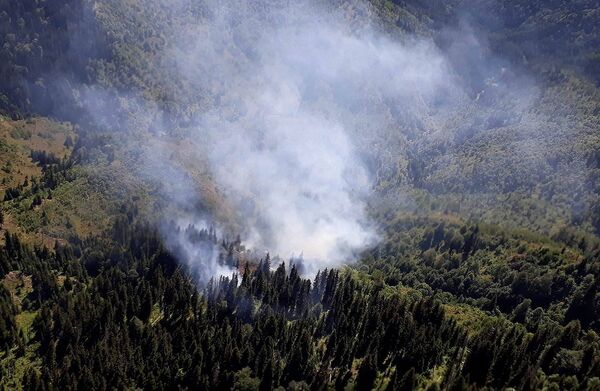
x,y
367,373
407,382
68,142
266,382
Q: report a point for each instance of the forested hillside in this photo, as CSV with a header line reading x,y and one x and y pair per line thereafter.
x,y
126,315
347,195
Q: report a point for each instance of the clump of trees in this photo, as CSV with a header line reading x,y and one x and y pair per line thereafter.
x,y
128,315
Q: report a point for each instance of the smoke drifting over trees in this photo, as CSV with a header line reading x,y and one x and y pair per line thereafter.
x,y
296,93
285,101
182,180
301,114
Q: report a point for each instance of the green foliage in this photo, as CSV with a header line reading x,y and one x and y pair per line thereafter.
x,y
489,268
100,329
492,282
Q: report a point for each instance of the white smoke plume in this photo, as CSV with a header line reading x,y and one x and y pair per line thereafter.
x,y
299,91
284,103
280,120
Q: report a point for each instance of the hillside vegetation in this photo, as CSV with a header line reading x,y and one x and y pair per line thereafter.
x,y
486,271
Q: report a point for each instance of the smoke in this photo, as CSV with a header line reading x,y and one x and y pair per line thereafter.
x,y
286,121
293,112
300,97
195,244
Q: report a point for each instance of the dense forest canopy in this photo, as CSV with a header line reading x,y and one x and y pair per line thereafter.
x,y
323,194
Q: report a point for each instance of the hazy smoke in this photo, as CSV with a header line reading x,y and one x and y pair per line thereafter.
x,y
293,109
279,120
297,91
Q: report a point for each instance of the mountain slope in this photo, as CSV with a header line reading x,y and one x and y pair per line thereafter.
x,y
483,195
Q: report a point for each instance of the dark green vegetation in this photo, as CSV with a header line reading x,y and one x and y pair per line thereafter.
x,y
119,312
487,275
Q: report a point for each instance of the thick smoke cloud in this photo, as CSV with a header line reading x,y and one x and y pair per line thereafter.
x,y
298,90
294,109
282,121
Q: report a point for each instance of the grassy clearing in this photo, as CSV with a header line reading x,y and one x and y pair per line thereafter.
x,y
467,316
19,286
19,138
25,321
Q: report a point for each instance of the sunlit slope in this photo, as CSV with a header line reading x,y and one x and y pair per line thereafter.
x,y
504,152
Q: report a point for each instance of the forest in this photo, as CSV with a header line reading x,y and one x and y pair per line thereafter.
x,y
127,315
328,195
